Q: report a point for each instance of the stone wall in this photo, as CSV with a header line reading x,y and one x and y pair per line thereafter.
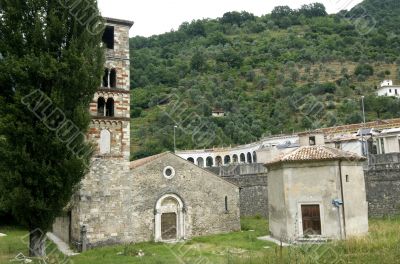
x,y
253,182
61,228
116,204
382,179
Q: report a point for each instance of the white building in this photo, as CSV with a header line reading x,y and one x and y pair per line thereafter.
x,y
388,89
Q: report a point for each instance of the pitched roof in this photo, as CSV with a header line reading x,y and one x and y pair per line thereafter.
x,y
140,162
315,153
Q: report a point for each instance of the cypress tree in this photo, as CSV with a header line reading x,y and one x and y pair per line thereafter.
x,y
51,62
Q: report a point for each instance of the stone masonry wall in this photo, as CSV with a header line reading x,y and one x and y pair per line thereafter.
x,y
253,194
253,182
382,179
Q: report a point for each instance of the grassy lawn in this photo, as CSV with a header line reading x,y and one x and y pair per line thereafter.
x,y
382,245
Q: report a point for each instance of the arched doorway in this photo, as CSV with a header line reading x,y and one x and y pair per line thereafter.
x,y
190,159
169,219
200,162
254,157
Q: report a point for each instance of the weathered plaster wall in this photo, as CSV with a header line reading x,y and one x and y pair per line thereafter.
x,y
315,183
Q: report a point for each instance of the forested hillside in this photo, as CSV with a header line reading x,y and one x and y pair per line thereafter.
x,y
286,71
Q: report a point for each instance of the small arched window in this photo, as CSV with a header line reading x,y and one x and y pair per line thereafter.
x,y
200,162
226,203
242,158
110,107
227,159
218,161
100,106
254,157
105,77
113,78
235,158
249,160
105,142
209,162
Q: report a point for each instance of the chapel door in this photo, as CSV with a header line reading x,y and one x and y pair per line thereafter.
x,y
168,226
311,219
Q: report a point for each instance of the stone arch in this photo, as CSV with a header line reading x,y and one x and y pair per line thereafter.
x,y
235,158
249,160
113,78
209,162
106,77
218,161
105,142
191,159
227,159
254,157
242,158
101,105
200,162
169,218
110,107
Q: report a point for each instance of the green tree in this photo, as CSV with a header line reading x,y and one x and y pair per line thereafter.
x,y
198,62
50,68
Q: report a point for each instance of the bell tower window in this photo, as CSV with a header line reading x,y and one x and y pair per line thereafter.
x,y
113,78
101,103
105,78
108,37
110,107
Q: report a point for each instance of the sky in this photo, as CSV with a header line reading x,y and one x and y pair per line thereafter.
x,y
154,17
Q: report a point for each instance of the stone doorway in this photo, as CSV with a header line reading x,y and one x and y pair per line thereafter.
x,y
168,226
169,219
311,219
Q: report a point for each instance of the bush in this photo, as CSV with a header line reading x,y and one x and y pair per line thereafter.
x,y
364,69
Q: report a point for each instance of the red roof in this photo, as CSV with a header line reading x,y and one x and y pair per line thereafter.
x,y
315,153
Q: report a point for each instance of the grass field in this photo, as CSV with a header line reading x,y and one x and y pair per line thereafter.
x,y
382,245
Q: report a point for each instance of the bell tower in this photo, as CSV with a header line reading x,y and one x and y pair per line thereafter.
x,y
110,108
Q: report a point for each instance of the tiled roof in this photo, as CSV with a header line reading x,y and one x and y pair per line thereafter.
x,y
137,163
315,153
378,124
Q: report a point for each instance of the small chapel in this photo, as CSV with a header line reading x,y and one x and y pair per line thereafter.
x,y
316,192
162,198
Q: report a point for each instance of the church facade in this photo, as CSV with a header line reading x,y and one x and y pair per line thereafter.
x,y
160,198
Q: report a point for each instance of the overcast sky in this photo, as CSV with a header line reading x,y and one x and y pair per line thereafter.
x,y
159,16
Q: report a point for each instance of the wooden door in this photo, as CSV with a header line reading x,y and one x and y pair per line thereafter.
x,y
168,226
311,219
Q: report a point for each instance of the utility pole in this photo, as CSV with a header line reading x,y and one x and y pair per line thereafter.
x,y
175,138
362,131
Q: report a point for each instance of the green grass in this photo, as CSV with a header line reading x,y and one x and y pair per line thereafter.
x,y
382,245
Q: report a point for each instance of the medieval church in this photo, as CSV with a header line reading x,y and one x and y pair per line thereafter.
x,y
159,198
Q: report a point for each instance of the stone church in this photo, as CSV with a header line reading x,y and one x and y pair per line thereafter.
x,y
159,198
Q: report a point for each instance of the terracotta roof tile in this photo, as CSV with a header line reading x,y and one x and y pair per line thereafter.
x,y
315,153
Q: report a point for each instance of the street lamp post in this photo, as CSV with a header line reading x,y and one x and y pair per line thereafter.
x,y
175,139
362,131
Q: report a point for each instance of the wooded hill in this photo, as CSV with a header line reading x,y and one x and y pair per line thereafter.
x,y
287,71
